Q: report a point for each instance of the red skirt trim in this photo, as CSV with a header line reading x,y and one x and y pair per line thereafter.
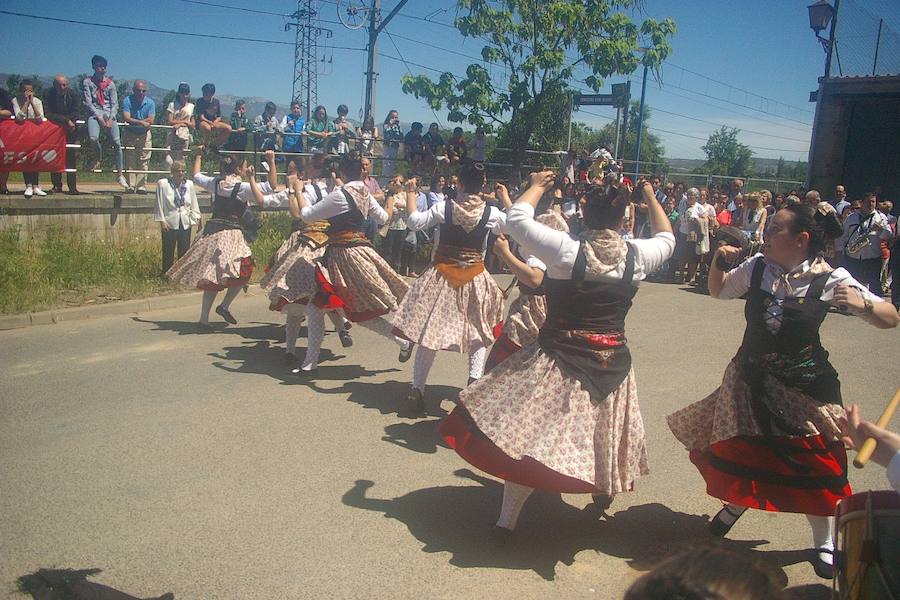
x,y
502,349
229,282
329,298
748,471
282,302
462,434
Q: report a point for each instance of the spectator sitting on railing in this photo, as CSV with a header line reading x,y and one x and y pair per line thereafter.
x,y
139,112
29,108
366,136
292,125
6,112
209,117
340,143
393,136
434,145
240,124
101,103
180,119
265,129
318,130
61,107
414,145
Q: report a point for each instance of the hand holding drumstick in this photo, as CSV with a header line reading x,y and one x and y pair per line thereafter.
x,y
855,431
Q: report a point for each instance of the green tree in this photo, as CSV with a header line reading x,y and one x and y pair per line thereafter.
x,y
13,81
540,44
652,150
725,155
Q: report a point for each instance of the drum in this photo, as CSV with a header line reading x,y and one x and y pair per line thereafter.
x,y
868,547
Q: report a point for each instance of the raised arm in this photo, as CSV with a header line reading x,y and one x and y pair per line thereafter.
x,y
659,222
258,195
502,194
530,276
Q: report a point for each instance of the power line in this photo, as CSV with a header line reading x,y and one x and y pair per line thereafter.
x,y
164,31
240,8
400,54
771,135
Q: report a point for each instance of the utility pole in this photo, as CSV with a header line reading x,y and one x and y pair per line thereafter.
x,y
640,125
305,87
618,123
376,26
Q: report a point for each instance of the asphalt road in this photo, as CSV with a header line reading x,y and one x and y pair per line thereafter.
x,y
194,464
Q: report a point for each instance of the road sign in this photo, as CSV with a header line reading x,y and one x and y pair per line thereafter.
x,y
621,93
594,100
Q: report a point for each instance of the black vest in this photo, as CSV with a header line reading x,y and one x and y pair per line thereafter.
x,y
454,235
597,307
352,220
794,354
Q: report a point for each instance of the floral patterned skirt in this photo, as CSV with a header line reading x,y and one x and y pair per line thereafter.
x,y
437,316
292,278
215,262
530,422
357,279
784,473
526,316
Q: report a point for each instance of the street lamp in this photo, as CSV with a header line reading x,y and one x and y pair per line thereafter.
x,y
820,15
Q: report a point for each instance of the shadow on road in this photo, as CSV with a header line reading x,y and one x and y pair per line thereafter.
x,y
458,520
263,358
256,331
387,397
420,436
72,584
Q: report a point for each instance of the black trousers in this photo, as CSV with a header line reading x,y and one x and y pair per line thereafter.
x,y
170,239
866,271
56,178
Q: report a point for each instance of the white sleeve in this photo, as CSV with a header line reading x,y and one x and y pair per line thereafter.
x,y
376,211
737,280
161,186
841,243
893,472
205,182
841,276
426,219
331,205
650,254
535,263
276,200
195,204
245,194
496,223
556,248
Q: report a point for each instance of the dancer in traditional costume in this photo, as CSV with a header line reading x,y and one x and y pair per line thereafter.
x,y
351,276
768,437
221,259
291,279
455,304
562,413
528,311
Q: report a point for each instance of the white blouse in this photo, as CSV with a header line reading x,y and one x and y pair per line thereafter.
x,y
435,216
559,249
335,204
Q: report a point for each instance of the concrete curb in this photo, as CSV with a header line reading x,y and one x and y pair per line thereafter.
x,y
112,309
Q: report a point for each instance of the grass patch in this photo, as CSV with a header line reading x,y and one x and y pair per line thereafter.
x,y
68,268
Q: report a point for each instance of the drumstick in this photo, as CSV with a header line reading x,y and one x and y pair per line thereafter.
x,y
868,447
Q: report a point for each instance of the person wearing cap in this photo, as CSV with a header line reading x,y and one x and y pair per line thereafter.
x,y
180,119
562,414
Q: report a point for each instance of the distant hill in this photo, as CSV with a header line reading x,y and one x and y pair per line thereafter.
x,y
760,165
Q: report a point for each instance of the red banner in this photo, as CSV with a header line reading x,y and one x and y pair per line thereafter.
x,y
30,146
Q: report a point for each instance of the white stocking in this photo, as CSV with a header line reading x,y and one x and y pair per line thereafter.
x,y
476,363
209,296
421,367
514,497
294,313
337,319
315,333
383,327
823,535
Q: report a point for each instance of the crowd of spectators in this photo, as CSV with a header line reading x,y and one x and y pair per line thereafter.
x,y
868,228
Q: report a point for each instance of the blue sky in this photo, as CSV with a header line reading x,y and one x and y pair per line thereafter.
x,y
759,58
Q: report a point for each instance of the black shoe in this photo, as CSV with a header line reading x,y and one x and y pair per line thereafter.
x,y
223,312
822,568
348,325
415,402
346,340
718,527
55,190
405,353
500,536
602,501
471,381
74,193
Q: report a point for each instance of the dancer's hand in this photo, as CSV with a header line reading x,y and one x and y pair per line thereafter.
x,y
411,185
844,295
854,431
729,253
501,246
543,179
